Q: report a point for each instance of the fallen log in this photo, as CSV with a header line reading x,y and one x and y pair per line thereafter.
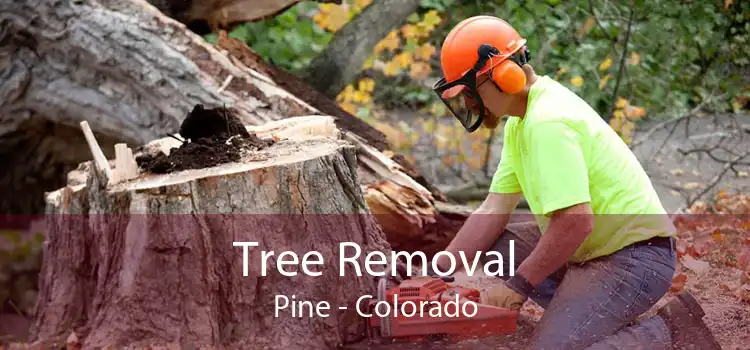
x,y
152,260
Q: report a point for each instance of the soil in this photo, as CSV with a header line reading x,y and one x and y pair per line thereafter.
x,y
212,137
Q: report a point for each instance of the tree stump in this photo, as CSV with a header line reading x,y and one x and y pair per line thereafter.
x,y
151,260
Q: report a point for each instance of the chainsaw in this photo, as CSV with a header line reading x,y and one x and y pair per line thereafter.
x,y
428,307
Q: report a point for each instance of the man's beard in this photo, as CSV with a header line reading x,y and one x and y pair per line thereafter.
x,y
490,120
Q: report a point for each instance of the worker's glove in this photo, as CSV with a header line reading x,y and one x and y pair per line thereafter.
x,y
510,294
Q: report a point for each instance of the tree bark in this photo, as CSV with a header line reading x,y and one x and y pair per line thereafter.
x,y
345,54
151,261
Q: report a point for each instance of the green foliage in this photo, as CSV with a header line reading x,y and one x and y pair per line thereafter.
x,y
660,63
290,40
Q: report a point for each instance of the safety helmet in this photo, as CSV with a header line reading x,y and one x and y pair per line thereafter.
x,y
475,46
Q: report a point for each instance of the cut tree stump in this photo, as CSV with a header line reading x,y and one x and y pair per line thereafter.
x,y
151,261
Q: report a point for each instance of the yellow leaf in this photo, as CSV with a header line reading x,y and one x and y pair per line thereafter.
x,y
635,112
419,70
369,63
367,84
621,102
338,17
431,18
359,96
728,3
606,64
321,20
742,174
616,124
392,68
425,51
604,81
692,186
349,107
618,114
634,59
409,31
403,59
360,4
577,81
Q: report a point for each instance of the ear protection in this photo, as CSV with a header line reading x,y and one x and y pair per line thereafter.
x,y
508,76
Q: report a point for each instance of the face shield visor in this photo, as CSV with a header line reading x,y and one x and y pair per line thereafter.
x,y
461,96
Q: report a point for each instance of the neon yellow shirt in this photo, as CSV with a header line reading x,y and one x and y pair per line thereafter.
x,y
563,153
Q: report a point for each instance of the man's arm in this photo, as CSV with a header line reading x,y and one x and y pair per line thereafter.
x,y
566,231
482,228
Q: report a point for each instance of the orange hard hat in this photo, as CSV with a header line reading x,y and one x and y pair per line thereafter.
x,y
459,51
475,46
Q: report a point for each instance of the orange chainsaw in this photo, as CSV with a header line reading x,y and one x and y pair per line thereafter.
x,y
427,307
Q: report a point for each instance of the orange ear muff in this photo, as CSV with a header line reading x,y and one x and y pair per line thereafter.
x,y
509,77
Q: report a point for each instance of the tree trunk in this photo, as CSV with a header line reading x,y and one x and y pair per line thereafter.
x,y
151,261
345,54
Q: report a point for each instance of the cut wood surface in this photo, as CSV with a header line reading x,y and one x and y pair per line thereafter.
x,y
133,74
157,265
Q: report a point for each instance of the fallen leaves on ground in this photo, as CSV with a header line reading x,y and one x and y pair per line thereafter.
x,y
715,234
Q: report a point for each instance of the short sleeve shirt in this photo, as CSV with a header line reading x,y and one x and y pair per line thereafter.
x,y
562,153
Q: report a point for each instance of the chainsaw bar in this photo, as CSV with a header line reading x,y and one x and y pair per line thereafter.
x,y
385,322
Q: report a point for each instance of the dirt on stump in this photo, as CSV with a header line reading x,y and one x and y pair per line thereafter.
x,y
212,137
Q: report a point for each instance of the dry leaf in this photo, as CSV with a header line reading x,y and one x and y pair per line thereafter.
x,y
698,266
692,186
727,286
743,293
678,283
677,172
745,277
744,259
742,174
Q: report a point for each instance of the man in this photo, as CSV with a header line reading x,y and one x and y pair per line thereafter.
x,y
602,250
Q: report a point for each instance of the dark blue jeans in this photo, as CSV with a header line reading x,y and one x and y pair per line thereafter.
x,y
593,305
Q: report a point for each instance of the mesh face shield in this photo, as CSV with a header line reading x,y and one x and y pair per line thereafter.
x,y
461,96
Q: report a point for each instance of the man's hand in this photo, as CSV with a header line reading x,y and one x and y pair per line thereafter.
x,y
510,294
501,295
